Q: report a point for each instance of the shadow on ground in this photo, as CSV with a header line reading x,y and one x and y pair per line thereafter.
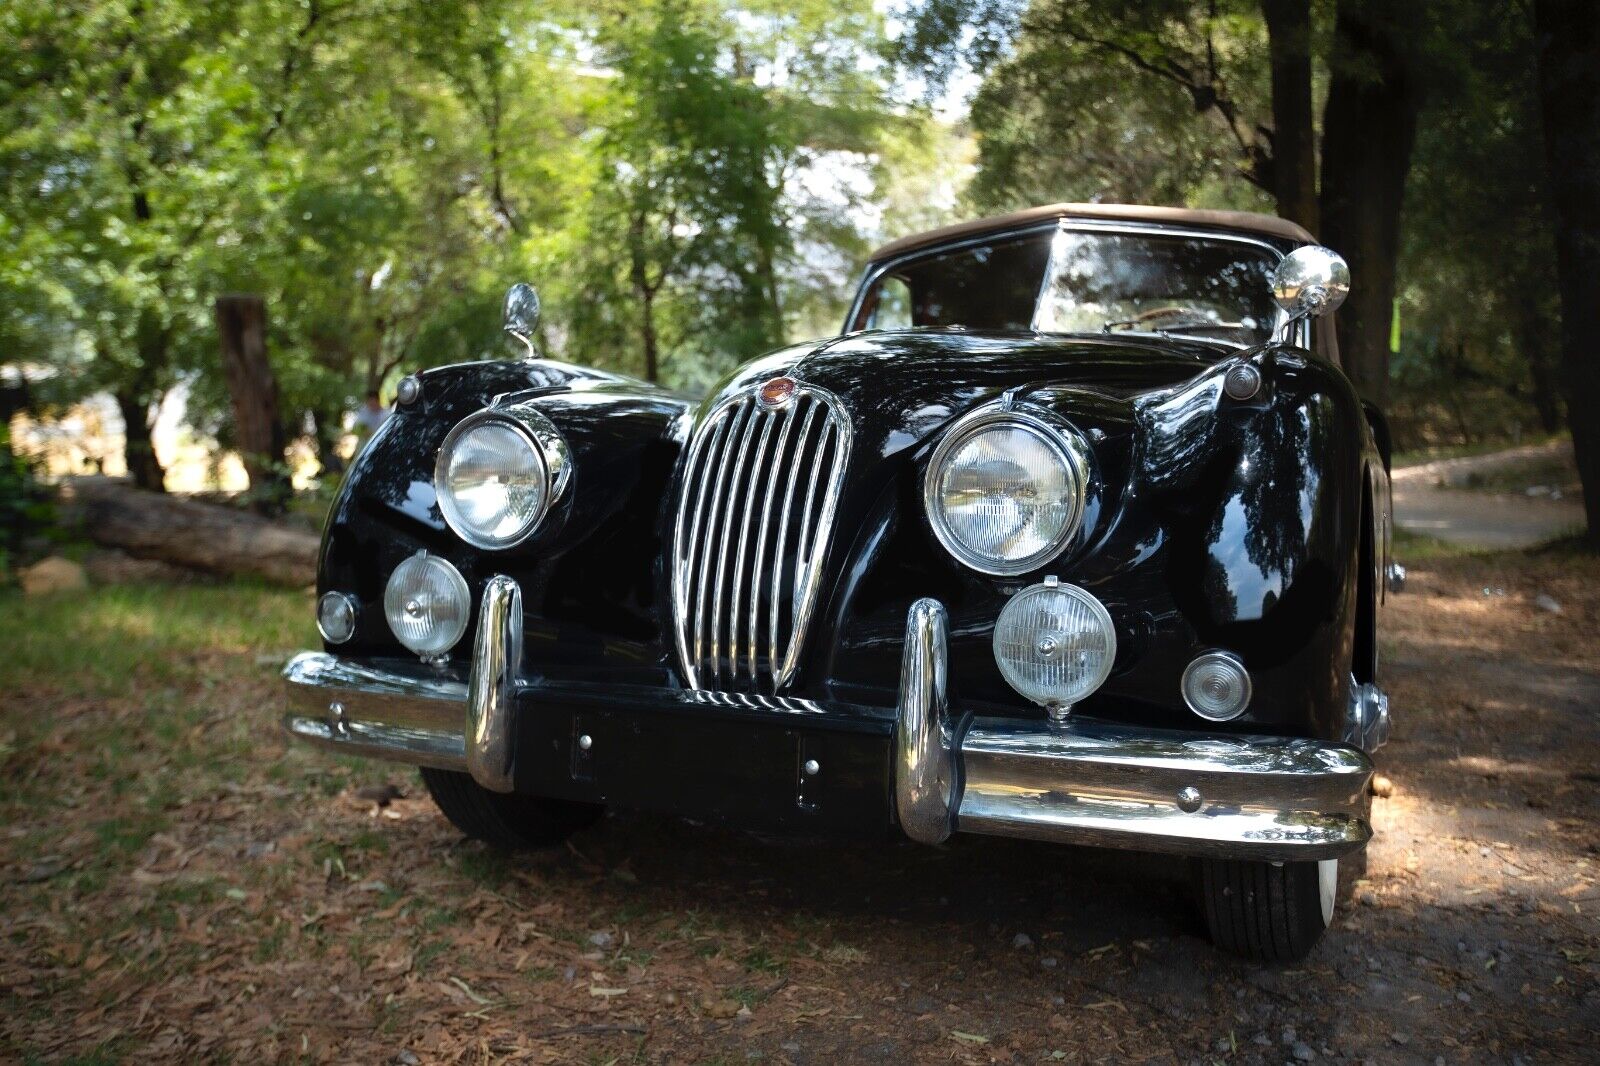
x,y
180,885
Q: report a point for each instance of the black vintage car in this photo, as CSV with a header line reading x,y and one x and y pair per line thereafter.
x,y
1076,533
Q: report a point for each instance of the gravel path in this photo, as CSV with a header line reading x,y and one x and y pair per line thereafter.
x,y
1433,498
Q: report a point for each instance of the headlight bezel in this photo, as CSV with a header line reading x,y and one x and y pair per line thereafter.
x,y
1050,430
546,443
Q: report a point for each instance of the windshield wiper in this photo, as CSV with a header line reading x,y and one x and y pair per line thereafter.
x,y
1177,324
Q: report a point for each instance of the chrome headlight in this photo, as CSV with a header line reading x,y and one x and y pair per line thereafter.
x,y
497,474
1005,490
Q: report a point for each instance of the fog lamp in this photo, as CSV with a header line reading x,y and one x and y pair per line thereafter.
x,y
1216,686
427,603
336,617
1055,644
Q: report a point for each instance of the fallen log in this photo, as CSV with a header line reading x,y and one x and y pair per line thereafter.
x,y
189,533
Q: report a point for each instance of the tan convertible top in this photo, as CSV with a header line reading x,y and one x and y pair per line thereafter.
x,y
1249,222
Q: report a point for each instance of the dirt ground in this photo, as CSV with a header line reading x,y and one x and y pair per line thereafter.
x,y
178,884
1515,498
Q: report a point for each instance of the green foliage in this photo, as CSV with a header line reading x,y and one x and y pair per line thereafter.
x,y
1479,312
1170,102
25,507
379,172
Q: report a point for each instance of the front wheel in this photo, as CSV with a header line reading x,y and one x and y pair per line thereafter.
x,y
506,820
1268,912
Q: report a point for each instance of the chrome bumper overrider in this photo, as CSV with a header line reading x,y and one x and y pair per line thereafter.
x,y
1084,782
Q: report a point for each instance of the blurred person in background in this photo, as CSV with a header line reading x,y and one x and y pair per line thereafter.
x,y
370,417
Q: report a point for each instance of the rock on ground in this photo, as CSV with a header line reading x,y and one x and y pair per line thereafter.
x,y
52,575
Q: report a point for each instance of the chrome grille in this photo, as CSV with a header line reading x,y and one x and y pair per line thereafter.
x,y
759,490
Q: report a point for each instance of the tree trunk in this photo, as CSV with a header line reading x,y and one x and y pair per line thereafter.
x,y
326,430
1532,331
138,449
1569,98
639,274
1369,128
1294,149
242,324
652,354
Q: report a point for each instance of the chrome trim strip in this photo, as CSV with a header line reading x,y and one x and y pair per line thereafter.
x,y
808,584
364,710
683,551
492,686
774,617
749,415
703,587
924,766
696,552
1089,782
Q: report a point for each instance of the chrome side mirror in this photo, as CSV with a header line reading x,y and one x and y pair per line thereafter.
x,y
1311,281
520,317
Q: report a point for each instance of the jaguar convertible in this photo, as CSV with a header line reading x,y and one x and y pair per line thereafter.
x,y
1076,533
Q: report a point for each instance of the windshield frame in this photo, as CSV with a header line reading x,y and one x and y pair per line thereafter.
x,y
875,272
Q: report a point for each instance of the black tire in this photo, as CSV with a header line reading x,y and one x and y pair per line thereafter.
x,y
506,820
1265,912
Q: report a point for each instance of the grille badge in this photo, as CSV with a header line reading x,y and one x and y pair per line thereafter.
x,y
776,393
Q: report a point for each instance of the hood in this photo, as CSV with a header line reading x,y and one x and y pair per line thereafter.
x,y
902,386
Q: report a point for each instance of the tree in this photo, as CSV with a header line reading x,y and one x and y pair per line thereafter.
x,y
1569,94
242,326
696,212
1479,305
1244,66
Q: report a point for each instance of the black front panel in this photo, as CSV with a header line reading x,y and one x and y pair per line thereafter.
x,y
741,769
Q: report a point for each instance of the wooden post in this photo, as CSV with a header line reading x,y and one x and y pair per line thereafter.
x,y
242,325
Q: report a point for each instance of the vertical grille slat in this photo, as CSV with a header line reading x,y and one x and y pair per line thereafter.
x,y
739,554
702,587
726,517
776,597
735,631
756,582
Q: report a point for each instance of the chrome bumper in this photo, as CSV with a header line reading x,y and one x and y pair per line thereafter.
x,y
1086,782
1089,782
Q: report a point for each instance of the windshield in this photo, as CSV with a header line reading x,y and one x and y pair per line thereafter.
x,y
1083,281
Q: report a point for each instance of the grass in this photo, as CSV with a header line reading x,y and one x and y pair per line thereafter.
x,y
96,643
1409,547
1462,451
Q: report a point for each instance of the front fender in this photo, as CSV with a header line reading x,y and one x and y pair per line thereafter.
x,y
587,572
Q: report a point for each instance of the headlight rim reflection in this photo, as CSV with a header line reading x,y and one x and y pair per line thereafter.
x,y
1055,435
544,442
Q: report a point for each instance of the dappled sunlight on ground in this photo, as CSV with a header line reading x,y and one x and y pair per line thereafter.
x,y
180,884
